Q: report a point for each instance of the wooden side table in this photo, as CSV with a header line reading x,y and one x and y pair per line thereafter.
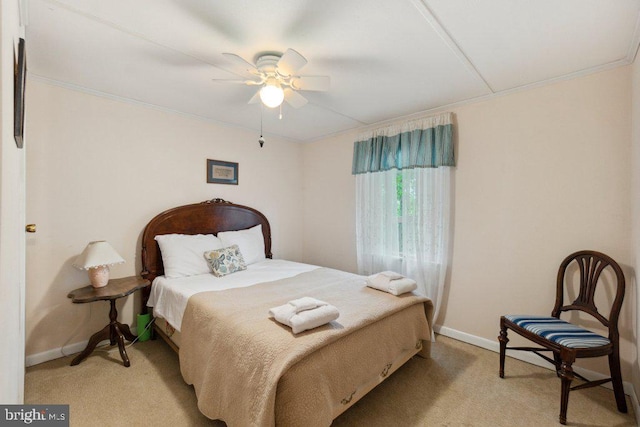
x,y
115,331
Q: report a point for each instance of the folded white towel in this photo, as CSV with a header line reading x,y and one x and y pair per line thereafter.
x,y
304,320
391,275
310,319
283,312
384,278
306,303
394,286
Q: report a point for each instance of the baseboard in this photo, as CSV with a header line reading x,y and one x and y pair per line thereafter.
x,y
56,353
529,358
66,350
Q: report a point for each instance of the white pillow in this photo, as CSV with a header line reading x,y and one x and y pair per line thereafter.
x,y
183,254
250,242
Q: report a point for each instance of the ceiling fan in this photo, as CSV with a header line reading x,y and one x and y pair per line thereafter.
x,y
276,74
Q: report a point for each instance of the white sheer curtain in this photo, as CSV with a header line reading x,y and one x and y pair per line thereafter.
x,y
403,190
402,224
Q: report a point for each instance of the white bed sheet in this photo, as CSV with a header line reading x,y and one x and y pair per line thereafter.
x,y
169,297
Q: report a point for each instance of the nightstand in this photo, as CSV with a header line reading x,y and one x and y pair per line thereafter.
x,y
115,331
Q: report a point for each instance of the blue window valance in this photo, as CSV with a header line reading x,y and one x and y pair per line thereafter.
x,y
423,143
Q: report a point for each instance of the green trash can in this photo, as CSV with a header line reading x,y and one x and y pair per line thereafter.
x,y
143,322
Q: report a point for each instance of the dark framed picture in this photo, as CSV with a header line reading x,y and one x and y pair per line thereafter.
x,y
19,80
219,172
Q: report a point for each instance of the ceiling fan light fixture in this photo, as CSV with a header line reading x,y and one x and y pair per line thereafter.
x,y
277,76
271,94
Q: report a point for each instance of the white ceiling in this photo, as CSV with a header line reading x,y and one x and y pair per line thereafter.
x,y
386,58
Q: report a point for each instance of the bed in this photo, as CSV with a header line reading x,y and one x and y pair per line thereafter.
x,y
246,368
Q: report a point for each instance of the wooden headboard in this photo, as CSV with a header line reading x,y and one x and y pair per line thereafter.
x,y
209,217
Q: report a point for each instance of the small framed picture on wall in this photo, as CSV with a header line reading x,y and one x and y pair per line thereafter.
x,y
220,172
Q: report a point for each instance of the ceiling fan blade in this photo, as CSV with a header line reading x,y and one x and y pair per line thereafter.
x,y
291,62
316,83
247,68
294,98
255,98
236,81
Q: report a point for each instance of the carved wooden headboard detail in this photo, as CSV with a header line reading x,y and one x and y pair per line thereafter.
x,y
209,217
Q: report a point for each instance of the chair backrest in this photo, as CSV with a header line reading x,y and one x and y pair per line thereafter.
x,y
590,265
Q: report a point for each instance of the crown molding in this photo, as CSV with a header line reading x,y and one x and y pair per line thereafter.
x,y
482,98
88,91
635,42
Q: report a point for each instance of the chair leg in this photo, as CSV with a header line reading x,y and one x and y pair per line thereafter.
x,y
503,345
566,376
556,357
616,379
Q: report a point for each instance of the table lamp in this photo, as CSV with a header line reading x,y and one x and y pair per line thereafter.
x,y
96,258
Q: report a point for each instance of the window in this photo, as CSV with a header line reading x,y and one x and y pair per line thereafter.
x,y
402,202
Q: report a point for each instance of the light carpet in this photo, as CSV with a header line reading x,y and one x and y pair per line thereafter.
x,y
458,386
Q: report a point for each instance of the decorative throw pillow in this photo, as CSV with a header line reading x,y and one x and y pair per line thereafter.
x,y
182,253
250,242
225,261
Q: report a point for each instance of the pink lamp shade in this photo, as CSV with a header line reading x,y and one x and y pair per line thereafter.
x,y
96,258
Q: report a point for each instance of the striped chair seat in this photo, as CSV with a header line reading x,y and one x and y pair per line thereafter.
x,y
558,331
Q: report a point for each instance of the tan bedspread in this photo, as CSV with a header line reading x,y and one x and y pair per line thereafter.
x,y
234,355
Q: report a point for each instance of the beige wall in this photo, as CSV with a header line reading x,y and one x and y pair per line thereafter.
x,y
540,173
329,203
12,240
101,169
635,200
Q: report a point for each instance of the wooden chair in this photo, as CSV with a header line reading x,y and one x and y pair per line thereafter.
x,y
568,341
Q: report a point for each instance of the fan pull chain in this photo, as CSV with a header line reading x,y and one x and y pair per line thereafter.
x,y
261,139
280,117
